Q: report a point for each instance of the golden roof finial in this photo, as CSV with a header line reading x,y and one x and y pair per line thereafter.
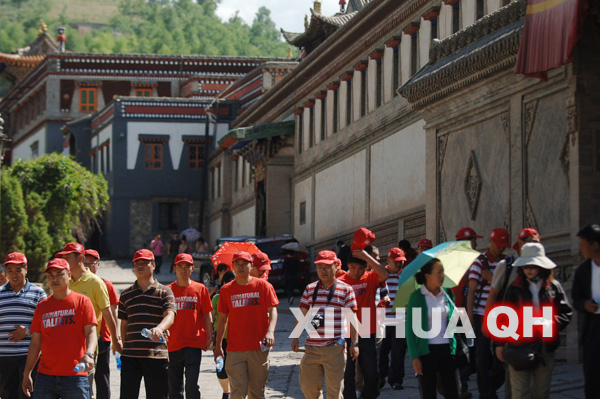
x,y
290,55
317,6
305,22
43,27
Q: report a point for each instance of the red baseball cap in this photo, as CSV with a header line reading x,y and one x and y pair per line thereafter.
x,y
327,258
362,238
72,247
16,258
526,232
57,263
242,255
184,258
501,237
466,233
92,252
261,261
425,242
396,254
145,254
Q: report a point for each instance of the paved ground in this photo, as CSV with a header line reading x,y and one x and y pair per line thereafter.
x,y
283,376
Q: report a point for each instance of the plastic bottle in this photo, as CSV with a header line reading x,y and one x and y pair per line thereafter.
x,y
220,363
146,333
264,347
118,359
80,367
470,341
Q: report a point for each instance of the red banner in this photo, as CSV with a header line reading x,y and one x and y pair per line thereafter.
x,y
552,28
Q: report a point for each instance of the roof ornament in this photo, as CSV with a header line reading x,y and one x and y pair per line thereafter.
x,y
61,39
290,55
342,6
317,6
305,22
43,27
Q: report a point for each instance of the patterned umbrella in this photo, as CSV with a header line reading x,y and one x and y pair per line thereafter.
x,y
230,248
456,256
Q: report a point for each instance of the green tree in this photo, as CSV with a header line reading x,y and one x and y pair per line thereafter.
x,y
38,243
13,218
74,199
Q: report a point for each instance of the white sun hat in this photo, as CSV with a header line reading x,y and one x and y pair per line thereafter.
x,y
533,253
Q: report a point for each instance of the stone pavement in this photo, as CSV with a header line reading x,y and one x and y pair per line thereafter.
x,y
283,375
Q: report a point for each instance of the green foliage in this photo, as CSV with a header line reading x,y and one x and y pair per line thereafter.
x,y
145,26
13,218
45,203
74,198
38,243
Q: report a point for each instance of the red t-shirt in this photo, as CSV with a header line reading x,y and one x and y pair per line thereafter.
x,y
61,323
114,300
189,329
364,291
247,307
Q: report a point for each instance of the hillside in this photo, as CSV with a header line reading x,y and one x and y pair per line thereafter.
x,y
141,26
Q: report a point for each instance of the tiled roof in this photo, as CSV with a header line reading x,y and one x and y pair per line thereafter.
x,y
21,60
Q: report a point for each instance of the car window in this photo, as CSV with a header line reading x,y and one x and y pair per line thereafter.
x,y
272,249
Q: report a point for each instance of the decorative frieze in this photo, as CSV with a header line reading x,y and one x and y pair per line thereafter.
x,y
472,185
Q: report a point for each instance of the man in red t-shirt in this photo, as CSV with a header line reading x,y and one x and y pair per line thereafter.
x,y
191,331
261,264
102,374
365,284
249,305
64,331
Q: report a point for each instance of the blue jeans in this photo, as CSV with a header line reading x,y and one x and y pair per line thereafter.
x,y
54,387
184,361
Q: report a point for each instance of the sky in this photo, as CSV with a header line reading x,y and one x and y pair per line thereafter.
x,y
287,14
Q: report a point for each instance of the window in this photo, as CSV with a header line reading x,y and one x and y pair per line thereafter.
x,y
396,70
153,156
243,173
87,99
143,92
363,93
300,133
169,215
219,181
434,28
196,155
335,111
311,128
414,54
236,180
107,149
303,213
379,83
480,9
323,118
455,17
101,151
35,150
348,102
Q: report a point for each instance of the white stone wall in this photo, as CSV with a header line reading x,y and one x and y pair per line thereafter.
x,y
318,109
214,231
388,72
445,21
356,87
303,193
23,149
306,129
398,172
371,85
468,9
342,97
340,196
244,222
405,47
424,42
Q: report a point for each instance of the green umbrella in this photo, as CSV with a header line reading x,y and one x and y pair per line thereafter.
x,y
456,256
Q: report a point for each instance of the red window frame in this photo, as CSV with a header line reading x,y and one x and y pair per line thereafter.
x,y
153,156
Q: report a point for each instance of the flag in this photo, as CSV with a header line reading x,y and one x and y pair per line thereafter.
x,y
552,28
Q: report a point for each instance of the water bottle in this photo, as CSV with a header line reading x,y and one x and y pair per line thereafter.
x,y
471,341
220,363
146,333
263,346
80,367
118,359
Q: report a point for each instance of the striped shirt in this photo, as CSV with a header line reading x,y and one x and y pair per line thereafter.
x,y
17,309
475,274
343,297
392,286
144,309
